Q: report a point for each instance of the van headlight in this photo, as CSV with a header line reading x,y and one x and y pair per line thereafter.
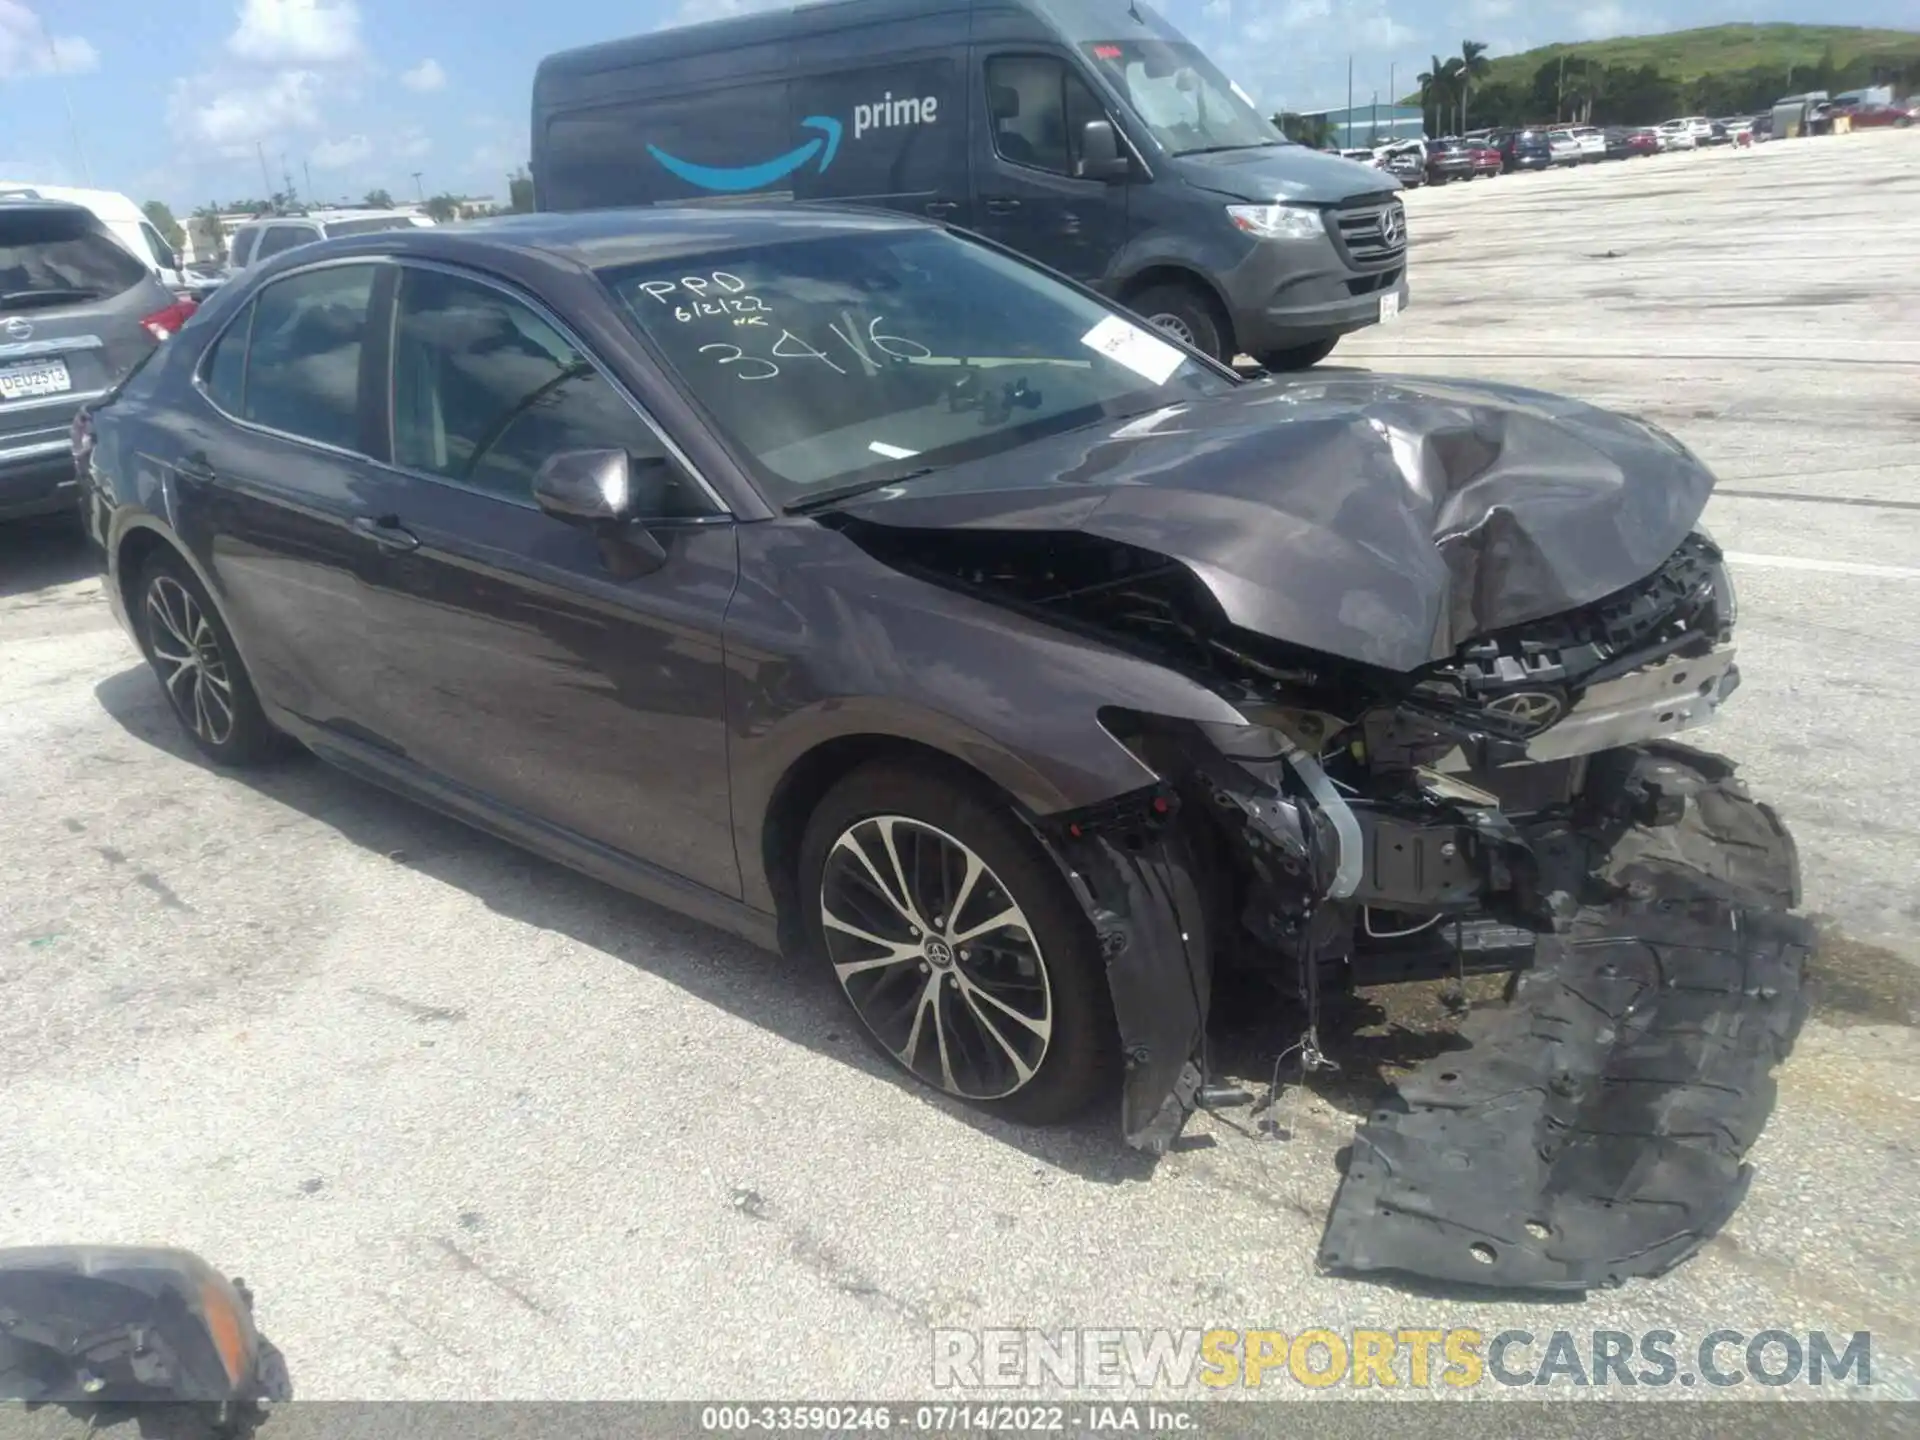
x,y
1279,222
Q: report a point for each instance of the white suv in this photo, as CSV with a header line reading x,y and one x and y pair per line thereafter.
x,y
266,237
1678,135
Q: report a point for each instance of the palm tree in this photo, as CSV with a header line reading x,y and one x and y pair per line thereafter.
x,y
1473,64
1433,90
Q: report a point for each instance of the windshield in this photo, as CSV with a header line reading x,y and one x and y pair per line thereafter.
x,y
1188,105
832,362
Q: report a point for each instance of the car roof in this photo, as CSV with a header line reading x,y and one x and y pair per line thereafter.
x,y
598,239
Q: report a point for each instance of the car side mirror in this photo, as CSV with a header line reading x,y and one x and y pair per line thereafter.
x,y
613,495
1100,157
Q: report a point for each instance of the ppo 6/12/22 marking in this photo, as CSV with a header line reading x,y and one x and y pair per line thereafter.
x,y
791,347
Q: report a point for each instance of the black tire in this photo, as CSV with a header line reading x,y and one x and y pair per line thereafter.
x,y
1186,312
199,668
1299,357
1076,1061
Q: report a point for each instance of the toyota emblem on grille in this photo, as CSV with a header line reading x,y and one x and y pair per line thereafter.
x,y
18,329
1530,711
1391,226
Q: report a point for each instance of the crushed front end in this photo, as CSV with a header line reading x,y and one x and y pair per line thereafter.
x,y
1517,807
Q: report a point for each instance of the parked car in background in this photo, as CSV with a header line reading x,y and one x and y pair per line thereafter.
x,y
1452,158
1525,150
1736,126
1564,148
1676,135
1642,142
1592,141
1408,166
77,313
1899,115
270,235
1617,147
1700,127
124,220
1486,159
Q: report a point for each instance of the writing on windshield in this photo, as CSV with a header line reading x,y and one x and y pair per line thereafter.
x,y
823,359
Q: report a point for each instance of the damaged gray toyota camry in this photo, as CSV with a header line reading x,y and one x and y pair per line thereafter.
x,y
855,585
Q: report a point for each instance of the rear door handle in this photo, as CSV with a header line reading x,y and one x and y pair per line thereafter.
x,y
941,209
195,467
1002,207
386,531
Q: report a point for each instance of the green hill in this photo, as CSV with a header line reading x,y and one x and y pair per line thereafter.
x,y
1719,70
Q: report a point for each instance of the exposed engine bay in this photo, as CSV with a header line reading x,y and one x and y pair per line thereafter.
x,y
1514,807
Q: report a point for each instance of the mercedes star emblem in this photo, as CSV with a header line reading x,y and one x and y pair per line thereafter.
x,y
1391,226
1529,710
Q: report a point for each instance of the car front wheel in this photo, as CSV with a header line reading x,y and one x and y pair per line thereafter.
x,y
193,653
956,941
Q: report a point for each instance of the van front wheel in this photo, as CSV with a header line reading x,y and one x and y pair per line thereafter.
x,y
1186,314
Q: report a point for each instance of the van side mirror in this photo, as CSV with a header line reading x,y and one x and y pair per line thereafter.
x,y
1100,157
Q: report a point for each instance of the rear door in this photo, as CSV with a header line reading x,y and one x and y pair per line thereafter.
x,y
71,303
1025,149
512,653
276,485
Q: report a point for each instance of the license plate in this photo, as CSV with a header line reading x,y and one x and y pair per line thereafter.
x,y
1389,304
34,377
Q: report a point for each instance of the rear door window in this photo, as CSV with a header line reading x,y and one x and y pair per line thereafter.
x,y
722,142
61,257
303,360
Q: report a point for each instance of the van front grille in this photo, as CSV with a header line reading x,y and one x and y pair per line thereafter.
x,y
1373,234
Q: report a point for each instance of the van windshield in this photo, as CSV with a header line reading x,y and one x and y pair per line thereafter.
x,y
1178,94
849,359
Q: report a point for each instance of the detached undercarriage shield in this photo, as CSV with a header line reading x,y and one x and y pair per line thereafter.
x,y
1594,1129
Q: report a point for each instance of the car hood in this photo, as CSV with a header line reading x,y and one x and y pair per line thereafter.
x,y
1282,172
1381,519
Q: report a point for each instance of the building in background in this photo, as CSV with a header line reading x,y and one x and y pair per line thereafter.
x,y
1365,126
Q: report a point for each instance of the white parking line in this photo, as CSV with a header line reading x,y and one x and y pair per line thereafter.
x,y
1825,567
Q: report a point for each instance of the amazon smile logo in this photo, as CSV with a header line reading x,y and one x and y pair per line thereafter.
x,y
735,178
886,113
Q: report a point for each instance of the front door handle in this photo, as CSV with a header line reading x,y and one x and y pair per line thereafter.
x,y
1002,207
941,209
386,531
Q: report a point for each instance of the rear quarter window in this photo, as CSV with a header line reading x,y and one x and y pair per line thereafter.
x,y
61,258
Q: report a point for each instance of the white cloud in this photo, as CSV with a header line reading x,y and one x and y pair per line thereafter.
x,y
410,144
233,119
296,32
1492,9
341,154
28,46
1383,32
1605,20
427,75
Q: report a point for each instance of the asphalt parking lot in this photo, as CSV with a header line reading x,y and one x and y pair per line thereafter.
x,y
474,1127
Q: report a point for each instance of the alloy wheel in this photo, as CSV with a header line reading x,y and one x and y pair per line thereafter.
x,y
192,665
936,956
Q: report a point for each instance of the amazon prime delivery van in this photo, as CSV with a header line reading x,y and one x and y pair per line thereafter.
x,y
1088,134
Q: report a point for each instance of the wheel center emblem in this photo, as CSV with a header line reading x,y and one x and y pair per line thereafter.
x,y
939,953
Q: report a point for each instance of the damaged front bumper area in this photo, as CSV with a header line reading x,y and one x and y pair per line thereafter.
x,y
1516,809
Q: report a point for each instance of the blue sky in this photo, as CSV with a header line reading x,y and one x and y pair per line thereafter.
x,y
171,98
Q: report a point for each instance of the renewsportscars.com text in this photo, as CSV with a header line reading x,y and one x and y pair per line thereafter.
x,y
1419,1359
